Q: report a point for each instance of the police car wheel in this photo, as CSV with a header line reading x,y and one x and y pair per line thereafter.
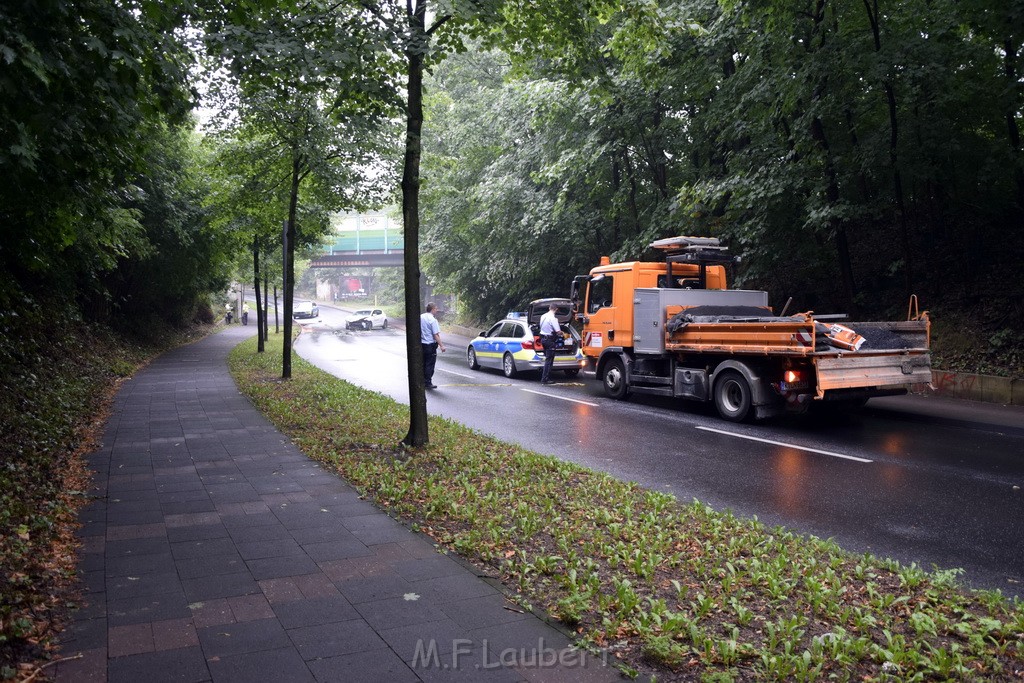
x,y
471,357
508,364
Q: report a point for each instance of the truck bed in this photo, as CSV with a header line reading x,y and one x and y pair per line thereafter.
x,y
794,335
894,353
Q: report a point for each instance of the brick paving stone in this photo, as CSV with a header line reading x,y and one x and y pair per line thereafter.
x,y
220,586
280,666
339,570
130,640
196,532
156,583
241,637
121,533
316,585
173,634
440,636
250,607
374,666
314,612
466,665
185,665
198,567
282,590
454,587
211,613
488,610
384,613
278,567
86,634
138,564
374,588
278,547
334,639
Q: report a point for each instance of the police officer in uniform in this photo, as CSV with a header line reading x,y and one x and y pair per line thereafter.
x,y
550,336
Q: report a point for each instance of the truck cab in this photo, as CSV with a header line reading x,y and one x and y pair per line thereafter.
x,y
605,299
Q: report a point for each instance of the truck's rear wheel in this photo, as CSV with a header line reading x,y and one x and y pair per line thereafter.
x,y
732,396
615,385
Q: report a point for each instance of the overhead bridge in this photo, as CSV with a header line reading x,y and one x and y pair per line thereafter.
x,y
363,246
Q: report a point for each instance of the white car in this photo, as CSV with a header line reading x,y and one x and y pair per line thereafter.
x,y
367,319
305,309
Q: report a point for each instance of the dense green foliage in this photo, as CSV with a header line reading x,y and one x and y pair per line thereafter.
x,y
850,156
676,592
96,175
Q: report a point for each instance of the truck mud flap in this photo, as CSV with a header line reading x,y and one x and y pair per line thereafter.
x,y
884,371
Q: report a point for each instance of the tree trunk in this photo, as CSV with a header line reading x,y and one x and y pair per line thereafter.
x,y
418,434
1013,132
838,229
266,306
832,195
289,268
277,324
260,339
874,18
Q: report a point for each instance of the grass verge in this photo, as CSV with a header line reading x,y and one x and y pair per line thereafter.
x,y
675,591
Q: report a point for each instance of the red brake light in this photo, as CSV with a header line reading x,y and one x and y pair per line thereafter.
x,y
528,344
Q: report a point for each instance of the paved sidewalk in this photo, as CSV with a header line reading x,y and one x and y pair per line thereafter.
x,y
216,551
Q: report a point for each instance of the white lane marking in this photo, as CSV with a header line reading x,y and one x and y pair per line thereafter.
x,y
561,398
783,443
457,374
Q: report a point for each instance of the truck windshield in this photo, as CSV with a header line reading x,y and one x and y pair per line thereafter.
x,y
600,294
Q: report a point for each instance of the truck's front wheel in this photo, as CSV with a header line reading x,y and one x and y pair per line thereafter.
x,y
732,396
615,379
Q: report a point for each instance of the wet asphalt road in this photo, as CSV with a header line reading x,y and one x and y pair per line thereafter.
x,y
918,479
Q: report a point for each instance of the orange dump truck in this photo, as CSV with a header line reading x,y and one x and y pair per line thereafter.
x,y
672,328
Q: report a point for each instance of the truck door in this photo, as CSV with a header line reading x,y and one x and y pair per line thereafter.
x,y
600,314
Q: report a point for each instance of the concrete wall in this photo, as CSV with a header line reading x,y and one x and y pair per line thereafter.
x,y
986,388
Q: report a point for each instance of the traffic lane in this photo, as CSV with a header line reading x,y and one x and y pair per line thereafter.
x,y
358,357
896,506
1002,419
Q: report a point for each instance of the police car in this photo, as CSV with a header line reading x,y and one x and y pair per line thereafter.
x,y
512,345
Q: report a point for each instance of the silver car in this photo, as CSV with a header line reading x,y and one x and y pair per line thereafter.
x,y
305,309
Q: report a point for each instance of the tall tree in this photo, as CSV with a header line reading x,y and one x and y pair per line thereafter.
x,y
312,77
